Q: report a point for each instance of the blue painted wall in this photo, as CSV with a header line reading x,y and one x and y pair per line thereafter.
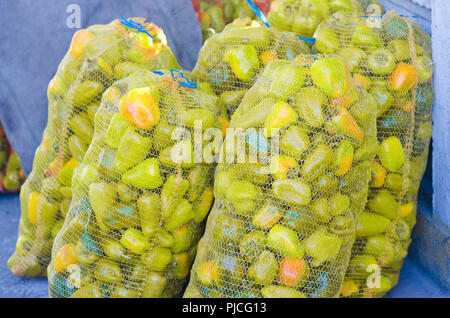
x,y
441,111
411,7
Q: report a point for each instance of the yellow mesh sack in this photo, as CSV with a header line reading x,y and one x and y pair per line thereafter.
x,y
391,57
140,195
97,56
292,179
231,61
304,16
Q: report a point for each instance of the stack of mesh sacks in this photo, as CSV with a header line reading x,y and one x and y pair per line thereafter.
x,y
284,221
391,58
293,215
11,173
97,57
140,197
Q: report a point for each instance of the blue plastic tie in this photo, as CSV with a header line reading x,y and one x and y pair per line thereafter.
x,y
380,16
186,82
371,16
409,16
258,12
311,41
134,25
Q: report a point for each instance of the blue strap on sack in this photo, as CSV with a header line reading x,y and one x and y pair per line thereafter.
x,y
264,20
186,82
311,41
258,13
134,25
380,16
177,75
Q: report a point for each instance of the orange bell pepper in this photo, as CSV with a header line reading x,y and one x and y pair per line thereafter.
x,y
404,77
379,174
280,165
268,56
65,257
140,108
292,271
79,41
345,124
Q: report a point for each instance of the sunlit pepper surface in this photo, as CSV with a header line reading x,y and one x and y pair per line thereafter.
x,y
139,200
391,58
283,224
97,57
